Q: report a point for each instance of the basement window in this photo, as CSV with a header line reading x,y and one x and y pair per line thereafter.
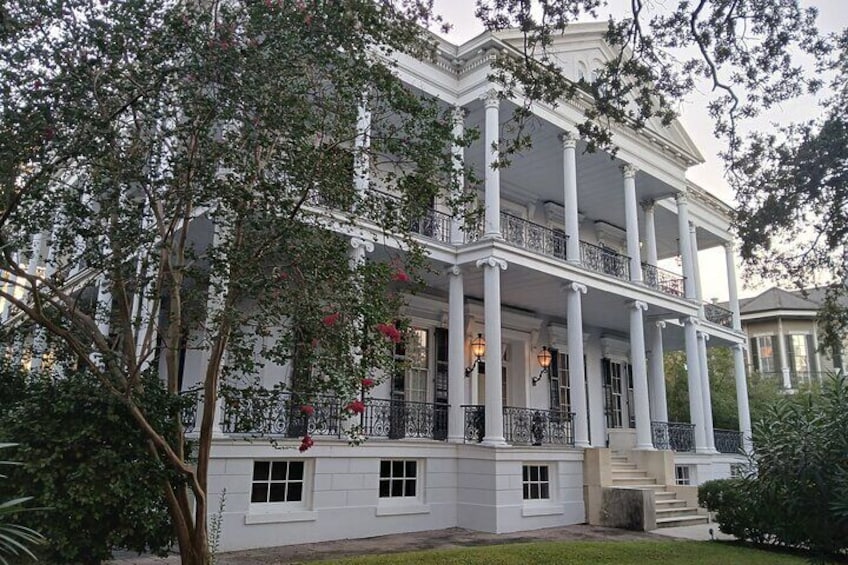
x,y
536,482
681,475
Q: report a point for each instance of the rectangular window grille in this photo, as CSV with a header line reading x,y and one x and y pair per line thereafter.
x,y
536,482
398,478
277,481
681,474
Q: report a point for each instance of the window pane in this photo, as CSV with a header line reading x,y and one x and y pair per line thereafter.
x,y
526,491
259,492
385,469
384,488
397,468
534,491
397,488
410,468
296,470
410,487
545,493
543,473
278,492
260,470
524,472
278,470
295,493
534,473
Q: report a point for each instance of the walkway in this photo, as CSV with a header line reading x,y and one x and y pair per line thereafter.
x,y
433,539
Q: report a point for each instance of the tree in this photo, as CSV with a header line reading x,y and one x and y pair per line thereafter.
x,y
87,465
176,159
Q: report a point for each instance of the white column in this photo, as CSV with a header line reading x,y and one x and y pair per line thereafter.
x,y
732,290
458,152
706,395
684,245
492,311
631,219
572,218
577,370
356,258
456,356
693,368
492,227
362,145
640,375
696,267
650,233
784,359
656,373
742,397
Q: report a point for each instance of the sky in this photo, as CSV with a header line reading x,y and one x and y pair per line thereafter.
x,y
833,17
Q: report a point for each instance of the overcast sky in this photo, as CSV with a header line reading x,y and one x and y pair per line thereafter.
x,y
833,17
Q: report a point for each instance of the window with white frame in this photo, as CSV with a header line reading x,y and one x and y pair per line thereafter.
x,y
399,478
278,481
536,482
681,475
765,353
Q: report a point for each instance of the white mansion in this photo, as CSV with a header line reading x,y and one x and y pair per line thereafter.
x,y
559,298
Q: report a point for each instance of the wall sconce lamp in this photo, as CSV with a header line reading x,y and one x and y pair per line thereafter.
x,y
544,357
478,350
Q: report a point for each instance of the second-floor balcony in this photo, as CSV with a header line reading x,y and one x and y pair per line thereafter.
x,y
718,315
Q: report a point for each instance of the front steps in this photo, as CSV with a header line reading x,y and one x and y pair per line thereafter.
x,y
670,510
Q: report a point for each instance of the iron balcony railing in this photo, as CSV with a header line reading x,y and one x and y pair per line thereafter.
x,y
522,426
530,426
718,315
190,408
665,281
677,436
533,237
727,441
604,260
276,413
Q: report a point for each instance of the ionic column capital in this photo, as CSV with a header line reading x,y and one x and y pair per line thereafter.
x,y
648,205
703,335
492,262
575,287
693,320
455,271
356,243
681,198
729,247
660,324
638,305
459,114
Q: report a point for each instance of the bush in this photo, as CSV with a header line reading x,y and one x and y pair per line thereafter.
x,y
798,496
86,465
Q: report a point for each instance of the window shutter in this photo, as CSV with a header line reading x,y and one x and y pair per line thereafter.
x,y
812,356
554,380
790,357
755,354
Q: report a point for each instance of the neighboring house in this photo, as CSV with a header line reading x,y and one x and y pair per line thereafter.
x,y
783,336
535,380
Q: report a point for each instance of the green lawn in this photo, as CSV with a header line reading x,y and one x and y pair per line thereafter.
x,y
637,552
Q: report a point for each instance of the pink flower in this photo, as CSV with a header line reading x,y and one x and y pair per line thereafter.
x,y
331,319
307,410
390,331
305,443
400,276
355,406
367,383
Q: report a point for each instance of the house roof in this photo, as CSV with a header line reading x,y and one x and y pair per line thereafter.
x,y
777,299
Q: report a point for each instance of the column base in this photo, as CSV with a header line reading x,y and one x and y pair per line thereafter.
x,y
582,444
494,442
455,439
645,447
705,451
493,235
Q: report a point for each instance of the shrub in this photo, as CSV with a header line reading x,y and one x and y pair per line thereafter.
x,y
798,496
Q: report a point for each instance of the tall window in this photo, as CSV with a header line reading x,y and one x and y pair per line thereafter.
x,y
799,356
418,372
762,350
564,383
612,393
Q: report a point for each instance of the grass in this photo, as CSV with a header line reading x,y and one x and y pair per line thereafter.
x,y
637,552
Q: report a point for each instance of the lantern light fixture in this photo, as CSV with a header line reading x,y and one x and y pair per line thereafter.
x,y
544,357
478,350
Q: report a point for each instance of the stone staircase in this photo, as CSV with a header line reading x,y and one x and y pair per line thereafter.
x,y
670,511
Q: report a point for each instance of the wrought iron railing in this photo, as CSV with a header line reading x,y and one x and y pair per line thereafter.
x,y
530,426
278,413
533,237
664,281
433,224
606,261
474,422
395,419
677,436
190,408
718,315
727,441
